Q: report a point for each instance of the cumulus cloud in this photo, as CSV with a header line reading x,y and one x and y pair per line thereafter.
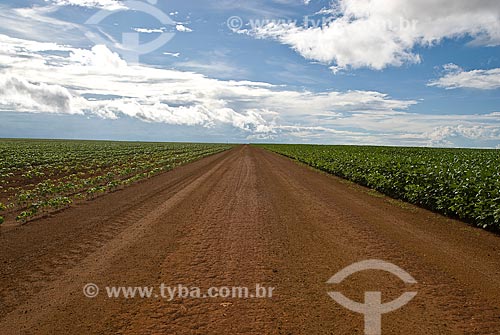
x,y
99,82
455,77
98,57
51,78
444,135
20,95
381,33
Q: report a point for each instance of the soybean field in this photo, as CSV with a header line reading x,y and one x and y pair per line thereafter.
x,y
461,183
41,176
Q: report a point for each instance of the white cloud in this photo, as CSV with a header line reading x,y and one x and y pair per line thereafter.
x,y
173,54
149,31
215,68
456,77
20,95
99,57
182,28
50,78
444,135
102,4
159,95
38,23
216,63
381,33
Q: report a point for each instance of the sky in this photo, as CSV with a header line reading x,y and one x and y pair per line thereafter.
x,y
361,72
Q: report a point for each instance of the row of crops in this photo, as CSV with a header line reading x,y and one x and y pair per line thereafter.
x,y
42,176
460,183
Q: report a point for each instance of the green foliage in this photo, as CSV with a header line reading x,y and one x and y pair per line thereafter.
x,y
2,220
41,176
460,183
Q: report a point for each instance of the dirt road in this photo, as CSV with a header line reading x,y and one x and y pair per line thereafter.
x,y
241,218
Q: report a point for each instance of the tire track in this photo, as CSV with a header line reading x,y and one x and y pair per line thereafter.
x,y
237,219
46,264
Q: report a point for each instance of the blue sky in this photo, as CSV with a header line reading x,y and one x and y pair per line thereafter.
x,y
391,72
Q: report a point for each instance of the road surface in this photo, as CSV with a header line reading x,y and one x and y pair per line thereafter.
x,y
237,219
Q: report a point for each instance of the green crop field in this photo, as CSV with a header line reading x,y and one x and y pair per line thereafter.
x,y
41,176
460,183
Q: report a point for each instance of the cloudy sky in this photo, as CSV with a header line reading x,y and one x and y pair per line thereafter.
x,y
379,72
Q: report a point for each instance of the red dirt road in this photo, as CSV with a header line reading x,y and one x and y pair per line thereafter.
x,y
241,218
